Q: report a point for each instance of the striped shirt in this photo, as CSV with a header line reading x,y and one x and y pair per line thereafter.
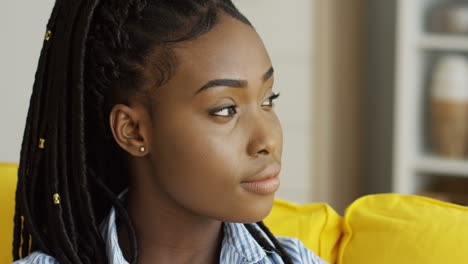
x,y
238,247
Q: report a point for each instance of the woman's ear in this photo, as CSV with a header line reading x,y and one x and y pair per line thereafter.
x,y
129,128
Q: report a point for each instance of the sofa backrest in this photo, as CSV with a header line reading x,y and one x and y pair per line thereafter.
x,y
8,176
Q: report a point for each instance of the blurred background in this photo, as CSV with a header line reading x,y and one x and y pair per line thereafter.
x,y
374,92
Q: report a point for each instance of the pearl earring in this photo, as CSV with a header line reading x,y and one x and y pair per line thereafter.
x,y
142,149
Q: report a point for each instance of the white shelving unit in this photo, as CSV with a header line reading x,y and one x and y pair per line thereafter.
x,y
428,164
414,165
443,42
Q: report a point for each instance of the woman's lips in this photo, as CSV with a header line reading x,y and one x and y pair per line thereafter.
x,y
265,182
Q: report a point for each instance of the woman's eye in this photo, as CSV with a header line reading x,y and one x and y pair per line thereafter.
x,y
269,102
225,111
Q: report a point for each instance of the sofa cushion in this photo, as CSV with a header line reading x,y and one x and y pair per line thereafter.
x,y
317,225
404,229
8,176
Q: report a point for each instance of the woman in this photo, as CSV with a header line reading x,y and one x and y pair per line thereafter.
x,y
150,138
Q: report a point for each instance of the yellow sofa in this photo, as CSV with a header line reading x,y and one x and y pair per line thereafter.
x,y
377,229
7,206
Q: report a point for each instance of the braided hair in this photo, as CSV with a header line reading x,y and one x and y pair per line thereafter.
x,y
95,55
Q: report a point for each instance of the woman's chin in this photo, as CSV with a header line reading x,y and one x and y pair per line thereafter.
x,y
252,211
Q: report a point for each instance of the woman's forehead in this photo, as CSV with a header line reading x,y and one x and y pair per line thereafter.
x,y
231,50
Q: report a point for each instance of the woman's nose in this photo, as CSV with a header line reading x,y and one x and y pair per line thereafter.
x,y
265,134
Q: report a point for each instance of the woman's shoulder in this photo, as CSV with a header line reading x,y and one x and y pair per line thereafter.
x,y
298,252
37,257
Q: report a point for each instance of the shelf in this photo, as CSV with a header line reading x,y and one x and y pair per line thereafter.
x,y
443,166
444,42
417,54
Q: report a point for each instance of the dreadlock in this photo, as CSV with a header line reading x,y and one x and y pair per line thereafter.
x,y
96,54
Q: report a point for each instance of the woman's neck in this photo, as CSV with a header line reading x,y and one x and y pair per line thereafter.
x,y
168,234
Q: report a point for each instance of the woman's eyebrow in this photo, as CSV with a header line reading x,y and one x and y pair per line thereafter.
x,y
268,74
233,82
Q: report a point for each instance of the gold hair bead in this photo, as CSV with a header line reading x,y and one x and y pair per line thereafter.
x,y
142,149
41,143
56,198
48,35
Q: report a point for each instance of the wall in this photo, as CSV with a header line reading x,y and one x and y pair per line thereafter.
x,y
22,24
379,95
340,79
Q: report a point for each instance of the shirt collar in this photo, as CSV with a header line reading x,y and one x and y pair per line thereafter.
x,y
238,240
109,233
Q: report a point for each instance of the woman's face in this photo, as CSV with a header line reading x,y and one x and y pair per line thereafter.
x,y
216,141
